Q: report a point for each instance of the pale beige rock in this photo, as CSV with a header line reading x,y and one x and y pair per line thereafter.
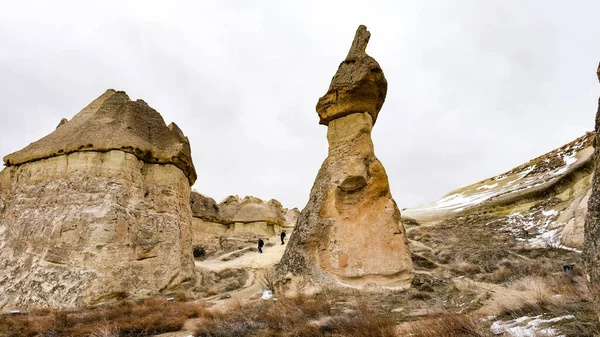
x,y
350,233
574,218
251,209
93,226
253,228
358,85
204,207
114,122
200,226
291,217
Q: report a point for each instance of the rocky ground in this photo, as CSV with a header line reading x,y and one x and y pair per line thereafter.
x,y
477,275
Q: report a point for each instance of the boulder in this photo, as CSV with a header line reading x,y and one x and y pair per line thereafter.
x,y
204,207
84,225
350,233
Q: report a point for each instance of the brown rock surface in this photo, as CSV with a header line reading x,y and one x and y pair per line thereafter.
x,y
204,207
251,209
358,85
114,122
350,233
91,226
591,249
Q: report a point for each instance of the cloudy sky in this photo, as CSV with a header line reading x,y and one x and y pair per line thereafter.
x,y
474,87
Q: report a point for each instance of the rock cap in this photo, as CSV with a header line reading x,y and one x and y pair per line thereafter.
x,y
358,86
114,122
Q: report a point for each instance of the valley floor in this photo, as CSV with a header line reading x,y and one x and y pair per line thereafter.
x,y
475,276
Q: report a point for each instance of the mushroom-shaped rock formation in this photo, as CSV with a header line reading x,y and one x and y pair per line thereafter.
x,y
114,122
350,233
358,86
591,241
97,210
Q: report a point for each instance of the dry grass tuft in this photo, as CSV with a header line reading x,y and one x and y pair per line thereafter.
x,y
447,325
297,316
126,318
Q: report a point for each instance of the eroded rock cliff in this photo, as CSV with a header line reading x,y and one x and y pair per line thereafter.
x,y
350,233
97,210
591,249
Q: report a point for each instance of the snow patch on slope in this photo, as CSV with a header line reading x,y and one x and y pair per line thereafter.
x,y
528,326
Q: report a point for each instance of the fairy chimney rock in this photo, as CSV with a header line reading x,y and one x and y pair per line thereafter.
x,y
97,210
350,233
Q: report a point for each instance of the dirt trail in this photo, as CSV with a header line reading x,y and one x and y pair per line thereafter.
x,y
249,260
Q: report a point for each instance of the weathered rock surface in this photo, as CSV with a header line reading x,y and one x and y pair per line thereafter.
x,y
563,175
83,227
574,219
251,209
591,249
105,125
204,207
358,85
234,217
350,233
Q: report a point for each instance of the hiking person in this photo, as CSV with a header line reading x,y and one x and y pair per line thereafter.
x,y
261,243
282,237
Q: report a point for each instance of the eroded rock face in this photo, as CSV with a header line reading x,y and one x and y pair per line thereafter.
x,y
591,249
574,218
358,85
114,122
91,226
235,217
350,233
251,209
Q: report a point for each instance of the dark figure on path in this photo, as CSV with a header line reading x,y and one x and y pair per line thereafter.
x,y
261,243
282,237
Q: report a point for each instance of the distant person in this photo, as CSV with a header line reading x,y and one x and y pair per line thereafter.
x,y
261,244
282,237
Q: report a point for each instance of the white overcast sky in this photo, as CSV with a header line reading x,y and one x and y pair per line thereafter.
x,y
474,87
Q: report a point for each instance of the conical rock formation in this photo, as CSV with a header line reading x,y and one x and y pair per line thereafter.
x,y
591,245
350,233
97,210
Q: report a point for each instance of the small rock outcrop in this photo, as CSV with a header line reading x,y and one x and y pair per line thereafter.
x,y
235,216
97,210
591,249
350,233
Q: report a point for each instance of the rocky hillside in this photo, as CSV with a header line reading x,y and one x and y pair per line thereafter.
x,y
545,199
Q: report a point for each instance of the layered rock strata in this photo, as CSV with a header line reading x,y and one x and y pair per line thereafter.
x,y
250,215
350,233
591,249
97,210
558,181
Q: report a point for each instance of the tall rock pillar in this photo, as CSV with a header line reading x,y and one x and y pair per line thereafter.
x,y
350,233
591,246
97,210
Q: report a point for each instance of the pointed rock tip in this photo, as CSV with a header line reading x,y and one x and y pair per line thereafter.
x,y
359,44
